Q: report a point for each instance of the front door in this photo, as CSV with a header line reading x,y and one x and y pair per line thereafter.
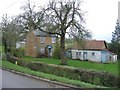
x,y
85,56
103,57
49,50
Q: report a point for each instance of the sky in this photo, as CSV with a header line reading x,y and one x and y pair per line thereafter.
x,y
100,18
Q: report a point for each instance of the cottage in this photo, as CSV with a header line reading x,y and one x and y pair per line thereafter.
x,y
93,50
39,44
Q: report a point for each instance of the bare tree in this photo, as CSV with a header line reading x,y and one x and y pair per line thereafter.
x,y
64,17
58,17
30,18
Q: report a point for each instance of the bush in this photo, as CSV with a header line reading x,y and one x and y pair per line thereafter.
x,y
19,52
56,53
94,77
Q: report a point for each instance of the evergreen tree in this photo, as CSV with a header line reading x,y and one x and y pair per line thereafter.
x,y
116,33
56,53
114,46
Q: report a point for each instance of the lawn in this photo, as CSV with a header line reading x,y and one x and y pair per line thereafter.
x,y
110,67
12,66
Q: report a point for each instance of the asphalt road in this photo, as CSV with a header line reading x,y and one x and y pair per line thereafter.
x,y
11,80
0,79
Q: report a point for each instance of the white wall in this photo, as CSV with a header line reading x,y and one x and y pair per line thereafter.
x,y
20,44
114,57
74,54
17,44
96,57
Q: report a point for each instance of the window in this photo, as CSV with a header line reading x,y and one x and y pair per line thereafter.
x,y
42,39
53,39
42,50
85,56
93,53
78,54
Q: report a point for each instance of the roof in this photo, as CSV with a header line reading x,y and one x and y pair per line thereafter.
x,y
92,45
111,52
41,33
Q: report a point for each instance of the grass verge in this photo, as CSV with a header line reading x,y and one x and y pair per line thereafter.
x,y
8,65
1,49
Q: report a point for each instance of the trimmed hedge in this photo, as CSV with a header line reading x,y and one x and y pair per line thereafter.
x,y
94,77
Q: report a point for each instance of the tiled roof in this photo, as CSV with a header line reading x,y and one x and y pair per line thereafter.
x,y
41,33
92,44
38,32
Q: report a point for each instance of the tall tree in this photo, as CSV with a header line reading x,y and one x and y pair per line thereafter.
x,y
10,33
30,18
116,33
114,46
61,18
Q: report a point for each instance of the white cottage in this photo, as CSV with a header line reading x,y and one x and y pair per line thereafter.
x,y
93,50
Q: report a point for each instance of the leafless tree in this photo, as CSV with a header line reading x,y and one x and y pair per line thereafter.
x,y
30,18
64,17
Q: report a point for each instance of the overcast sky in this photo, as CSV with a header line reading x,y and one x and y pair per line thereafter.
x,y
101,15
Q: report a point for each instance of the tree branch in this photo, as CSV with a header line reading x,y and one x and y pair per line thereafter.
x,y
49,32
69,23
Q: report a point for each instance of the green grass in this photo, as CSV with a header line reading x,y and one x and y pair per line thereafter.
x,y
1,49
9,65
110,67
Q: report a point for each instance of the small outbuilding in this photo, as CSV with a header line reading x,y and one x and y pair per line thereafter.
x,y
93,50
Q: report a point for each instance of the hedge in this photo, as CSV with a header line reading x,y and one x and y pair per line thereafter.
x,y
88,76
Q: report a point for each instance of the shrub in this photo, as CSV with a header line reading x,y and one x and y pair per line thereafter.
x,y
94,77
56,53
19,52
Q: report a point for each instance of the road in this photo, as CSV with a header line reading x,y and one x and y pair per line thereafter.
x,y
11,80
0,79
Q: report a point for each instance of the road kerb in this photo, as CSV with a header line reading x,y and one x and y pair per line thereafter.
x,y
39,78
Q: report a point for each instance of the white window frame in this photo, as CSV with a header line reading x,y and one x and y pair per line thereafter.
x,y
53,39
78,54
93,53
42,50
42,39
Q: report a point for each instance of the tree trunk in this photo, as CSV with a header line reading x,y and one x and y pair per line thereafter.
x,y
62,43
31,28
4,44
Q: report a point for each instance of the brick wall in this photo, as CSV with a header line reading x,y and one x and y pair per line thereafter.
x,y
34,45
30,45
